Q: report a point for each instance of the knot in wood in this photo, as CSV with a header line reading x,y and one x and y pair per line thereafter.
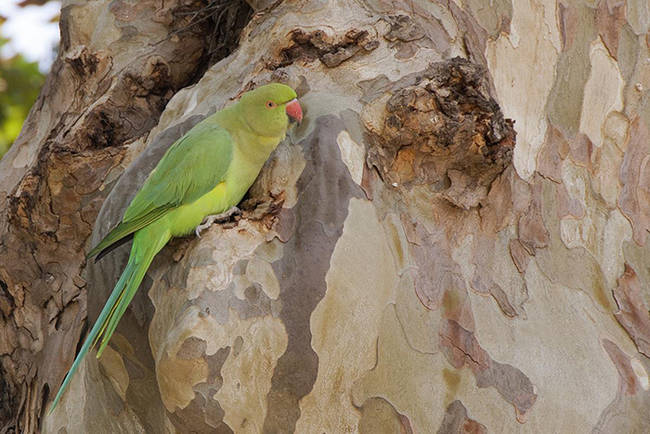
x,y
445,131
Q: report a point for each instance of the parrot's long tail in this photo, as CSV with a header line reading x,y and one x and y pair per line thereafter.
x,y
146,245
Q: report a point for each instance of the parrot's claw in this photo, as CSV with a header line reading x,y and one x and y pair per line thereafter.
x,y
209,220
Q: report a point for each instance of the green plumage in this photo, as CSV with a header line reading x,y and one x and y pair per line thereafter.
x,y
207,171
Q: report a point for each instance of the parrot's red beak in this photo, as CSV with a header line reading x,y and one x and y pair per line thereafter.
x,y
294,110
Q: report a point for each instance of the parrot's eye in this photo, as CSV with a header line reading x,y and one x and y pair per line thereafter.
x,y
270,104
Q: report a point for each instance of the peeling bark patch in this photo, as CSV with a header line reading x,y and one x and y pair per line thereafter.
x,y
324,194
128,114
445,131
628,410
461,348
262,209
332,51
632,311
577,30
610,18
519,254
373,88
45,208
379,416
192,348
634,200
456,421
550,157
437,274
532,230
361,283
494,17
82,61
628,381
485,281
403,28
496,292
202,415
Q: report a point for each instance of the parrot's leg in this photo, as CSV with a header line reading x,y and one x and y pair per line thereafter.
x,y
209,220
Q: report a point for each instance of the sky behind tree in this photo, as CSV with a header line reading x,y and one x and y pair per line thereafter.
x,y
29,35
32,31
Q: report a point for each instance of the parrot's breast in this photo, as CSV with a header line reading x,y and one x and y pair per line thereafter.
x,y
240,175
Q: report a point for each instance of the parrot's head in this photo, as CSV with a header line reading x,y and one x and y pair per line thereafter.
x,y
269,108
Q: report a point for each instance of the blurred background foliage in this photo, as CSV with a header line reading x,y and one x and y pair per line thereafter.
x,y
20,83
21,80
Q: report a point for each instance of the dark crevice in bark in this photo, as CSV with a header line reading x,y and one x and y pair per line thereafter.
x,y
7,400
6,300
221,21
332,51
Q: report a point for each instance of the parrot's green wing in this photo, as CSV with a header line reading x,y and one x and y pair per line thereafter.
x,y
190,168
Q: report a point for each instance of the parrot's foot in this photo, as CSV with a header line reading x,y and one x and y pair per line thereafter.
x,y
209,220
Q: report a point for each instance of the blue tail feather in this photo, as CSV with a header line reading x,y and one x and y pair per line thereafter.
x,y
146,245
94,332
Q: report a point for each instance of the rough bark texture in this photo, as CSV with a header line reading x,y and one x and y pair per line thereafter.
x,y
409,259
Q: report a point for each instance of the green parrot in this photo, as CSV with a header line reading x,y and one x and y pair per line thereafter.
x,y
204,173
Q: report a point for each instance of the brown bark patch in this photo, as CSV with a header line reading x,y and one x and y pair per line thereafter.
x,y
438,279
632,310
445,131
549,161
634,200
403,28
204,414
566,205
580,150
629,383
331,50
461,348
519,254
456,421
379,416
482,280
532,230
610,18
628,410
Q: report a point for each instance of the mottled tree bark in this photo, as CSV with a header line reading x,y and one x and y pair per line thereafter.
x,y
455,239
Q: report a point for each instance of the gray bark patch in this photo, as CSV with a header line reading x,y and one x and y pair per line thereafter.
x,y
457,421
325,188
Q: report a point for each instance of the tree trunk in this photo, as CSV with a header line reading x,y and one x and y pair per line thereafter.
x,y
409,260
